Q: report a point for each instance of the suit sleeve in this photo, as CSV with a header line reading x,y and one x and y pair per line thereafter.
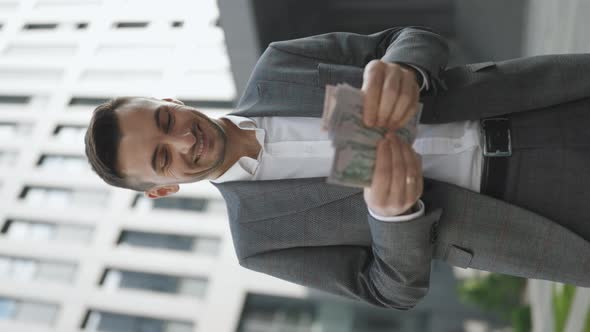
x,y
415,46
393,273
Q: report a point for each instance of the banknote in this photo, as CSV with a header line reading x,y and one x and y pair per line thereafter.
x,y
354,143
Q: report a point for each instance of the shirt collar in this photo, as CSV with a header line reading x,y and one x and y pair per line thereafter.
x,y
245,167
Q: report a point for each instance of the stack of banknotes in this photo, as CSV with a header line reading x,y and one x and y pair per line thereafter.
x,y
355,144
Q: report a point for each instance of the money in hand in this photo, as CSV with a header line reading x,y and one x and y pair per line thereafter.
x,y
355,144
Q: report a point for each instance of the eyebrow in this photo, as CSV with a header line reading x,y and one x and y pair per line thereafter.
x,y
155,155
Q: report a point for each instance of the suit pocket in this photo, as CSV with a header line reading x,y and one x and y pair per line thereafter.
x,y
458,256
475,67
333,74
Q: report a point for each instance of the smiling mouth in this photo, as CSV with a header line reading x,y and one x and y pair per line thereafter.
x,y
200,145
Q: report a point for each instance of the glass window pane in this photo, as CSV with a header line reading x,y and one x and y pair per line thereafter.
x,y
62,198
18,230
40,231
207,245
142,203
181,203
12,130
179,327
73,233
56,272
111,322
56,197
7,308
5,267
24,269
7,130
148,281
193,287
154,240
62,163
8,158
69,134
36,313
89,199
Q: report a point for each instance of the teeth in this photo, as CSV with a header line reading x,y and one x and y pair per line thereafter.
x,y
201,145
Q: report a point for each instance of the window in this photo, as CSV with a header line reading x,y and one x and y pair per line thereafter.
x,y
114,279
69,133
142,203
65,4
8,158
127,25
62,163
209,103
27,311
120,76
36,49
8,5
133,50
87,101
101,321
25,269
11,130
264,313
34,231
40,26
63,198
48,77
5,99
201,244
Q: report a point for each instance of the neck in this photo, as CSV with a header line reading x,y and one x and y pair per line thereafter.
x,y
240,143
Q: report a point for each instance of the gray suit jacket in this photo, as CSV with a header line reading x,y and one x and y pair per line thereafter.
x,y
320,235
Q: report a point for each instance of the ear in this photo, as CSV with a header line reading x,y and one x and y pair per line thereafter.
x,y
172,100
162,191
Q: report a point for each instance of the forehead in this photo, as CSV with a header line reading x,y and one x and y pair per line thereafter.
x,y
137,128
136,108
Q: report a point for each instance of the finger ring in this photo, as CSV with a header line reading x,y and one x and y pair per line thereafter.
x,y
410,180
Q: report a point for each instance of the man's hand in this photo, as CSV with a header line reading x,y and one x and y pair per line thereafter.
x,y
397,181
391,95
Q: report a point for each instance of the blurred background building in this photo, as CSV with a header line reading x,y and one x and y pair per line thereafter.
x,y
77,255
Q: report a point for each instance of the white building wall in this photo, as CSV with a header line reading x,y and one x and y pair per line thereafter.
x,y
53,66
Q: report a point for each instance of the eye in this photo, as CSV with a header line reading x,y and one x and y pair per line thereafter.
x,y
164,159
170,122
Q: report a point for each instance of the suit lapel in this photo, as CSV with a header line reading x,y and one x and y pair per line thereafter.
x,y
256,200
274,98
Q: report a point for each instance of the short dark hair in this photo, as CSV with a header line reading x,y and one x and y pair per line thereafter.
x,y
102,144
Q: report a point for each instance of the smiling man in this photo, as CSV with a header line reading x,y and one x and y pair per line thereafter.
x,y
162,143
496,179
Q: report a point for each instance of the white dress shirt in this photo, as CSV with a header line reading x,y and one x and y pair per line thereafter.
x,y
295,147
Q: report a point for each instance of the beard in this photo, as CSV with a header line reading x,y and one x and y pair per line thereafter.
x,y
220,138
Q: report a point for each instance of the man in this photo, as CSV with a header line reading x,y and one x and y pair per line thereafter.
x,y
519,209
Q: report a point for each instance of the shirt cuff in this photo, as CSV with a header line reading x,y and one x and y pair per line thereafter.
x,y
419,206
425,85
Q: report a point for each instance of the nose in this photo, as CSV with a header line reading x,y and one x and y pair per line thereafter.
x,y
182,142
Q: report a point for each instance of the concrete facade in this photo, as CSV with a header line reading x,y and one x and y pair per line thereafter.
x,y
58,58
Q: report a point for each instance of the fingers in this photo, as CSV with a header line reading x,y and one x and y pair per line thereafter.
x,y
391,95
397,191
413,175
373,76
392,85
406,106
382,174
